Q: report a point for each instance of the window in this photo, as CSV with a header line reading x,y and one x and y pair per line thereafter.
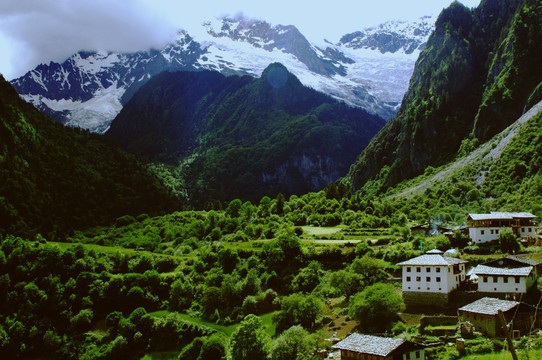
x,y
491,231
497,231
428,269
408,269
418,278
517,280
495,278
529,229
438,278
505,279
428,279
484,278
438,270
417,354
482,232
418,269
408,278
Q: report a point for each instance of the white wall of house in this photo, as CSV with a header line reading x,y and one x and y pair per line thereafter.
x,y
504,284
431,278
483,234
480,235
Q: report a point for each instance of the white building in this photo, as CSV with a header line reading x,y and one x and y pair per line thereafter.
x,y
431,274
486,227
511,275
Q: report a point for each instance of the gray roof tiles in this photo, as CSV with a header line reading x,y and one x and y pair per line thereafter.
x,y
489,306
490,270
502,216
432,259
368,344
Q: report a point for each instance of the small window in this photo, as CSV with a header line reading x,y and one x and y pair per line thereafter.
x,y
517,280
428,269
418,278
438,270
418,269
529,229
482,232
491,231
505,279
408,278
428,279
497,231
484,278
495,278
408,269
417,354
522,229
438,278
409,288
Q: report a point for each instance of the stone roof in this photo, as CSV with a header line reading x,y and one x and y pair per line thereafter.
x,y
489,306
432,259
502,216
368,344
490,270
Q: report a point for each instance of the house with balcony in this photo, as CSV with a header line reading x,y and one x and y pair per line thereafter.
x,y
486,227
428,279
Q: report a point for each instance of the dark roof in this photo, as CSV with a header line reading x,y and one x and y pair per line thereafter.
x,y
368,344
523,260
489,306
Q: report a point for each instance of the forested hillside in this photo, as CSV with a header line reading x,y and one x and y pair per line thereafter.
x,y
54,179
239,137
479,71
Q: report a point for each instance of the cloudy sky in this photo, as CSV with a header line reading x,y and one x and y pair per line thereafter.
x,y
39,31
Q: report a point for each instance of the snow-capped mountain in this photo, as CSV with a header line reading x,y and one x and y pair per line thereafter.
x,y
370,68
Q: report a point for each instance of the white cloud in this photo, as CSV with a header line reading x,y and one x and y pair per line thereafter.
x,y
35,31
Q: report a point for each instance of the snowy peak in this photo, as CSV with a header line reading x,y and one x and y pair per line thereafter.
x,y
392,36
370,69
288,39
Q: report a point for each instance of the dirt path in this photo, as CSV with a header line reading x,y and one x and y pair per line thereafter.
x,y
486,151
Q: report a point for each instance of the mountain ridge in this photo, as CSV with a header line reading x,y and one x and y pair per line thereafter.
x,y
102,82
241,137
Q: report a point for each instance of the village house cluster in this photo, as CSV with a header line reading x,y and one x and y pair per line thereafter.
x,y
430,279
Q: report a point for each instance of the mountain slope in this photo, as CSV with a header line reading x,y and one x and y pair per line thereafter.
x,y
454,78
55,179
89,89
243,137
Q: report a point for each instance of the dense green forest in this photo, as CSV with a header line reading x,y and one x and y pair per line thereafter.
x,y
240,137
477,74
54,179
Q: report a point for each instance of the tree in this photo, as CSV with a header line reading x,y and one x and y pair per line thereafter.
x,y
372,270
297,309
292,344
249,341
376,307
508,241
348,283
214,348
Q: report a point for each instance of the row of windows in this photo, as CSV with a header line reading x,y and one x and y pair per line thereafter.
x,y
428,278
496,231
419,269
504,279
